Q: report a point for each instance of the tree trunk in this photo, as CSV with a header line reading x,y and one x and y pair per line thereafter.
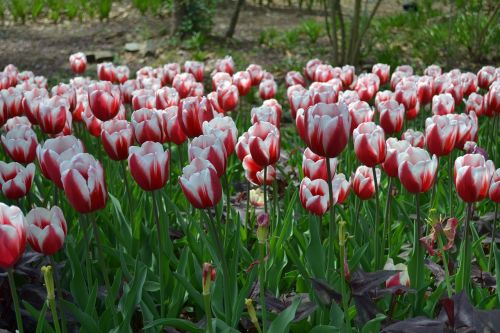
x,y
234,19
179,14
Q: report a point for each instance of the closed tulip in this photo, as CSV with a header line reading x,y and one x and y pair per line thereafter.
x,y
254,173
148,125
196,68
314,195
394,148
348,75
415,138
469,83
92,123
440,135
494,192
117,136
340,188
166,97
363,183
210,148
323,92
193,111
443,104
314,166
172,129
433,70
121,74
53,152
67,92
20,144
143,99
367,86
425,89
323,73
52,115
406,94
391,116
106,71
417,170
219,78
12,235
127,88
486,76
382,71
348,97
369,144
256,74
11,123
227,96
267,89
472,177
310,68
104,100
183,83
3,112
400,279
298,98
327,128
15,179
200,184
12,98
267,114
293,78
242,149
264,143
30,103
360,112
467,125
149,165
83,181
243,81
47,230
223,128
169,72
492,100
475,103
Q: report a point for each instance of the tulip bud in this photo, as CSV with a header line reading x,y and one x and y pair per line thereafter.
x,y
47,229
394,148
494,192
360,112
210,148
433,70
264,143
193,111
382,71
208,276
172,129
314,195
472,177
225,65
416,170
262,228
440,135
243,81
200,184
49,282
256,73
149,165
267,89
12,235
252,313
363,182
195,68
106,71
143,99
391,116
369,144
12,97
486,76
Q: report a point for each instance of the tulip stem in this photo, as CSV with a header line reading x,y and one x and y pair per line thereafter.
x,y
265,189
160,256
59,294
262,285
331,225
343,288
418,255
228,208
387,224
208,312
450,181
15,299
466,255
493,237
445,264
247,213
377,227
127,189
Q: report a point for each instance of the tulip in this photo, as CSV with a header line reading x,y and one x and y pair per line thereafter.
x,y
193,111
264,143
117,136
106,71
12,97
400,279
166,97
369,144
169,72
12,235
323,92
314,166
83,181
267,114
396,78
433,70
15,179
382,71
472,175
93,124
467,128
52,115
219,78
486,76
440,135
149,165
363,183
183,83
391,116
143,99
30,103
225,64
241,148
256,73
200,184
415,138
243,81
323,73
406,94
417,171
360,112
348,97
20,144
494,192
3,113
293,78
348,75
327,128
394,148
104,100
195,68
11,123
66,92
148,125
314,195
53,152
340,188
469,83
443,104
367,86
492,100
47,230
210,148
225,129
227,96
475,103
424,89
121,74
172,130
310,68
127,88
254,173
267,89
298,97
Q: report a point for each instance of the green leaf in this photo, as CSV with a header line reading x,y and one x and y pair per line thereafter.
x,y
497,269
373,326
88,324
133,293
324,329
282,322
176,323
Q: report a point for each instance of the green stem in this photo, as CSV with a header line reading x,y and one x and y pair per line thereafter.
x,y
466,257
445,263
331,224
493,237
208,312
55,317
59,294
127,189
450,182
179,153
160,254
228,209
247,214
343,287
262,285
387,215
376,222
15,299
265,190
418,255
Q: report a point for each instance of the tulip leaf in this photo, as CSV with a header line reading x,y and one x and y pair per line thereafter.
x,y
88,324
497,269
324,329
285,318
176,323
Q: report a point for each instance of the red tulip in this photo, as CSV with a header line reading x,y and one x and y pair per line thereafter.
x,y
469,83
4,81
12,97
494,192
348,75
417,171
82,103
213,100
227,96
219,78
293,78
47,230
210,148
169,72
106,71
117,136
348,97
314,166
425,89
323,92
415,138
53,152
52,114
256,74
148,125
149,165
150,83
340,188
363,183
264,143
243,81
267,114
456,90
127,88
396,78
475,103
200,184
121,74
369,144
323,73
383,96
93,124
367,86
20,144
394,148
143,99
183,83
406,94
492,100
30,103
67,92
12,235
440,135
166,97
467,125
254,173
310,68
382,71
391,116
486,76
433,70
193,111
242,149
267,89
83,181
223,128
15,121
298,97
400,279
360,112
327,128
314,195
196,68
15,179
3,112
104,100
225,64
405,68
172,130
472,177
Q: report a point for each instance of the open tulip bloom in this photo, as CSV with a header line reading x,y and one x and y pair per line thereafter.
x,y
47,229
15,179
